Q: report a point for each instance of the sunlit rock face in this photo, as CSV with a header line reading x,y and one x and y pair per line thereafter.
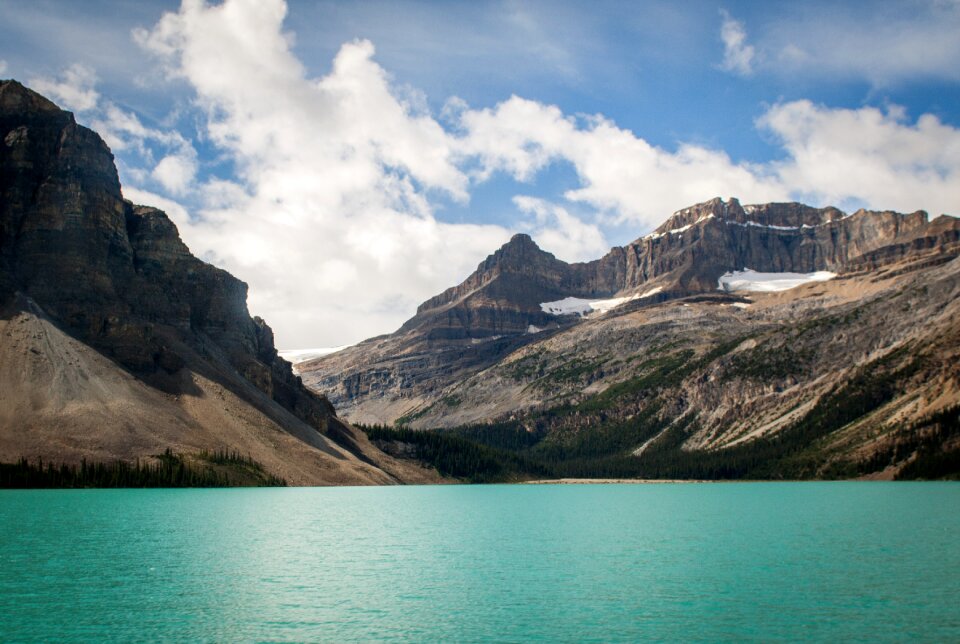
x,y
505,303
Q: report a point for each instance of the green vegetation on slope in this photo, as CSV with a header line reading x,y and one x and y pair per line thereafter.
x,y
597,437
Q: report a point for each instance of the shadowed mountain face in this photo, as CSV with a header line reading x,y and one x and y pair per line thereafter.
x,y
497,310
87,270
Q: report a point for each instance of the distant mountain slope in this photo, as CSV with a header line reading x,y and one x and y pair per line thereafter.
x,y
117,343
500,308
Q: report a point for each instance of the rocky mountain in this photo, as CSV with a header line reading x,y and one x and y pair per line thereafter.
x,y
117,343
773,340
498,309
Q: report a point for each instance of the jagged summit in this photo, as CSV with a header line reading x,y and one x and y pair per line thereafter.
x,y
521,254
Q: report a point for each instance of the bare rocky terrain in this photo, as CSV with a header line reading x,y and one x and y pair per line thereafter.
x,y
847,373
117,343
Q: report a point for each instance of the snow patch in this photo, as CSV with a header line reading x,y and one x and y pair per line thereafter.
x,y
750,280
296,356
533,329
582,307
567,306
754,224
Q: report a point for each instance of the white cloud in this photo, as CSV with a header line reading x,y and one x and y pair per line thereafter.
x,y
867,155
738,56
619,172
565,235
3,66
831,157
123,131
176,172
73,90
329,215
882,43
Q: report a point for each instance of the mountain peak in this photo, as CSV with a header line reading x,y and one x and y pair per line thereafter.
x,y
17,99
520,254
521,239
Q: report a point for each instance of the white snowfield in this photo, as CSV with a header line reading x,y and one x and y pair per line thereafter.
x,y
750,280
296,356
581,307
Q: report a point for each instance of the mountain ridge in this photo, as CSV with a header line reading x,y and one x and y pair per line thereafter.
x,y
855,373
467,328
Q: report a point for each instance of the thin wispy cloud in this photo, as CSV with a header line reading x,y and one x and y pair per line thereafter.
x,y
890,44
738,56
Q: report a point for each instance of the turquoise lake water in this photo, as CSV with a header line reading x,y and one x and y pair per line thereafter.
x,y
604,563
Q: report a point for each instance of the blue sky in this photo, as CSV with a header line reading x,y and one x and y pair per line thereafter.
x,y
348,160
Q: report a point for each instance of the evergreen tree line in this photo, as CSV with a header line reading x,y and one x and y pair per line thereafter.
x,y
169,470
458,457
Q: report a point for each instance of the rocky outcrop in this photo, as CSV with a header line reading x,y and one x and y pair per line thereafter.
x,y
698,244
117,277
502,296
497,309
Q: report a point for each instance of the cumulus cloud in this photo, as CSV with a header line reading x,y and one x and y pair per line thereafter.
x,y
738,56
74,89
329,216
123,131
328,211
867,155
830,156
619,172
176,172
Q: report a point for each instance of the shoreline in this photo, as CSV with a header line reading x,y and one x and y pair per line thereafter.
x,y
609,481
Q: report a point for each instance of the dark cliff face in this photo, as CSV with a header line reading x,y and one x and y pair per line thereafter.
x,y
115,275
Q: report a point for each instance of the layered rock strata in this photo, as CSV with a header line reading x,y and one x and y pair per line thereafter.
x,y
498,309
